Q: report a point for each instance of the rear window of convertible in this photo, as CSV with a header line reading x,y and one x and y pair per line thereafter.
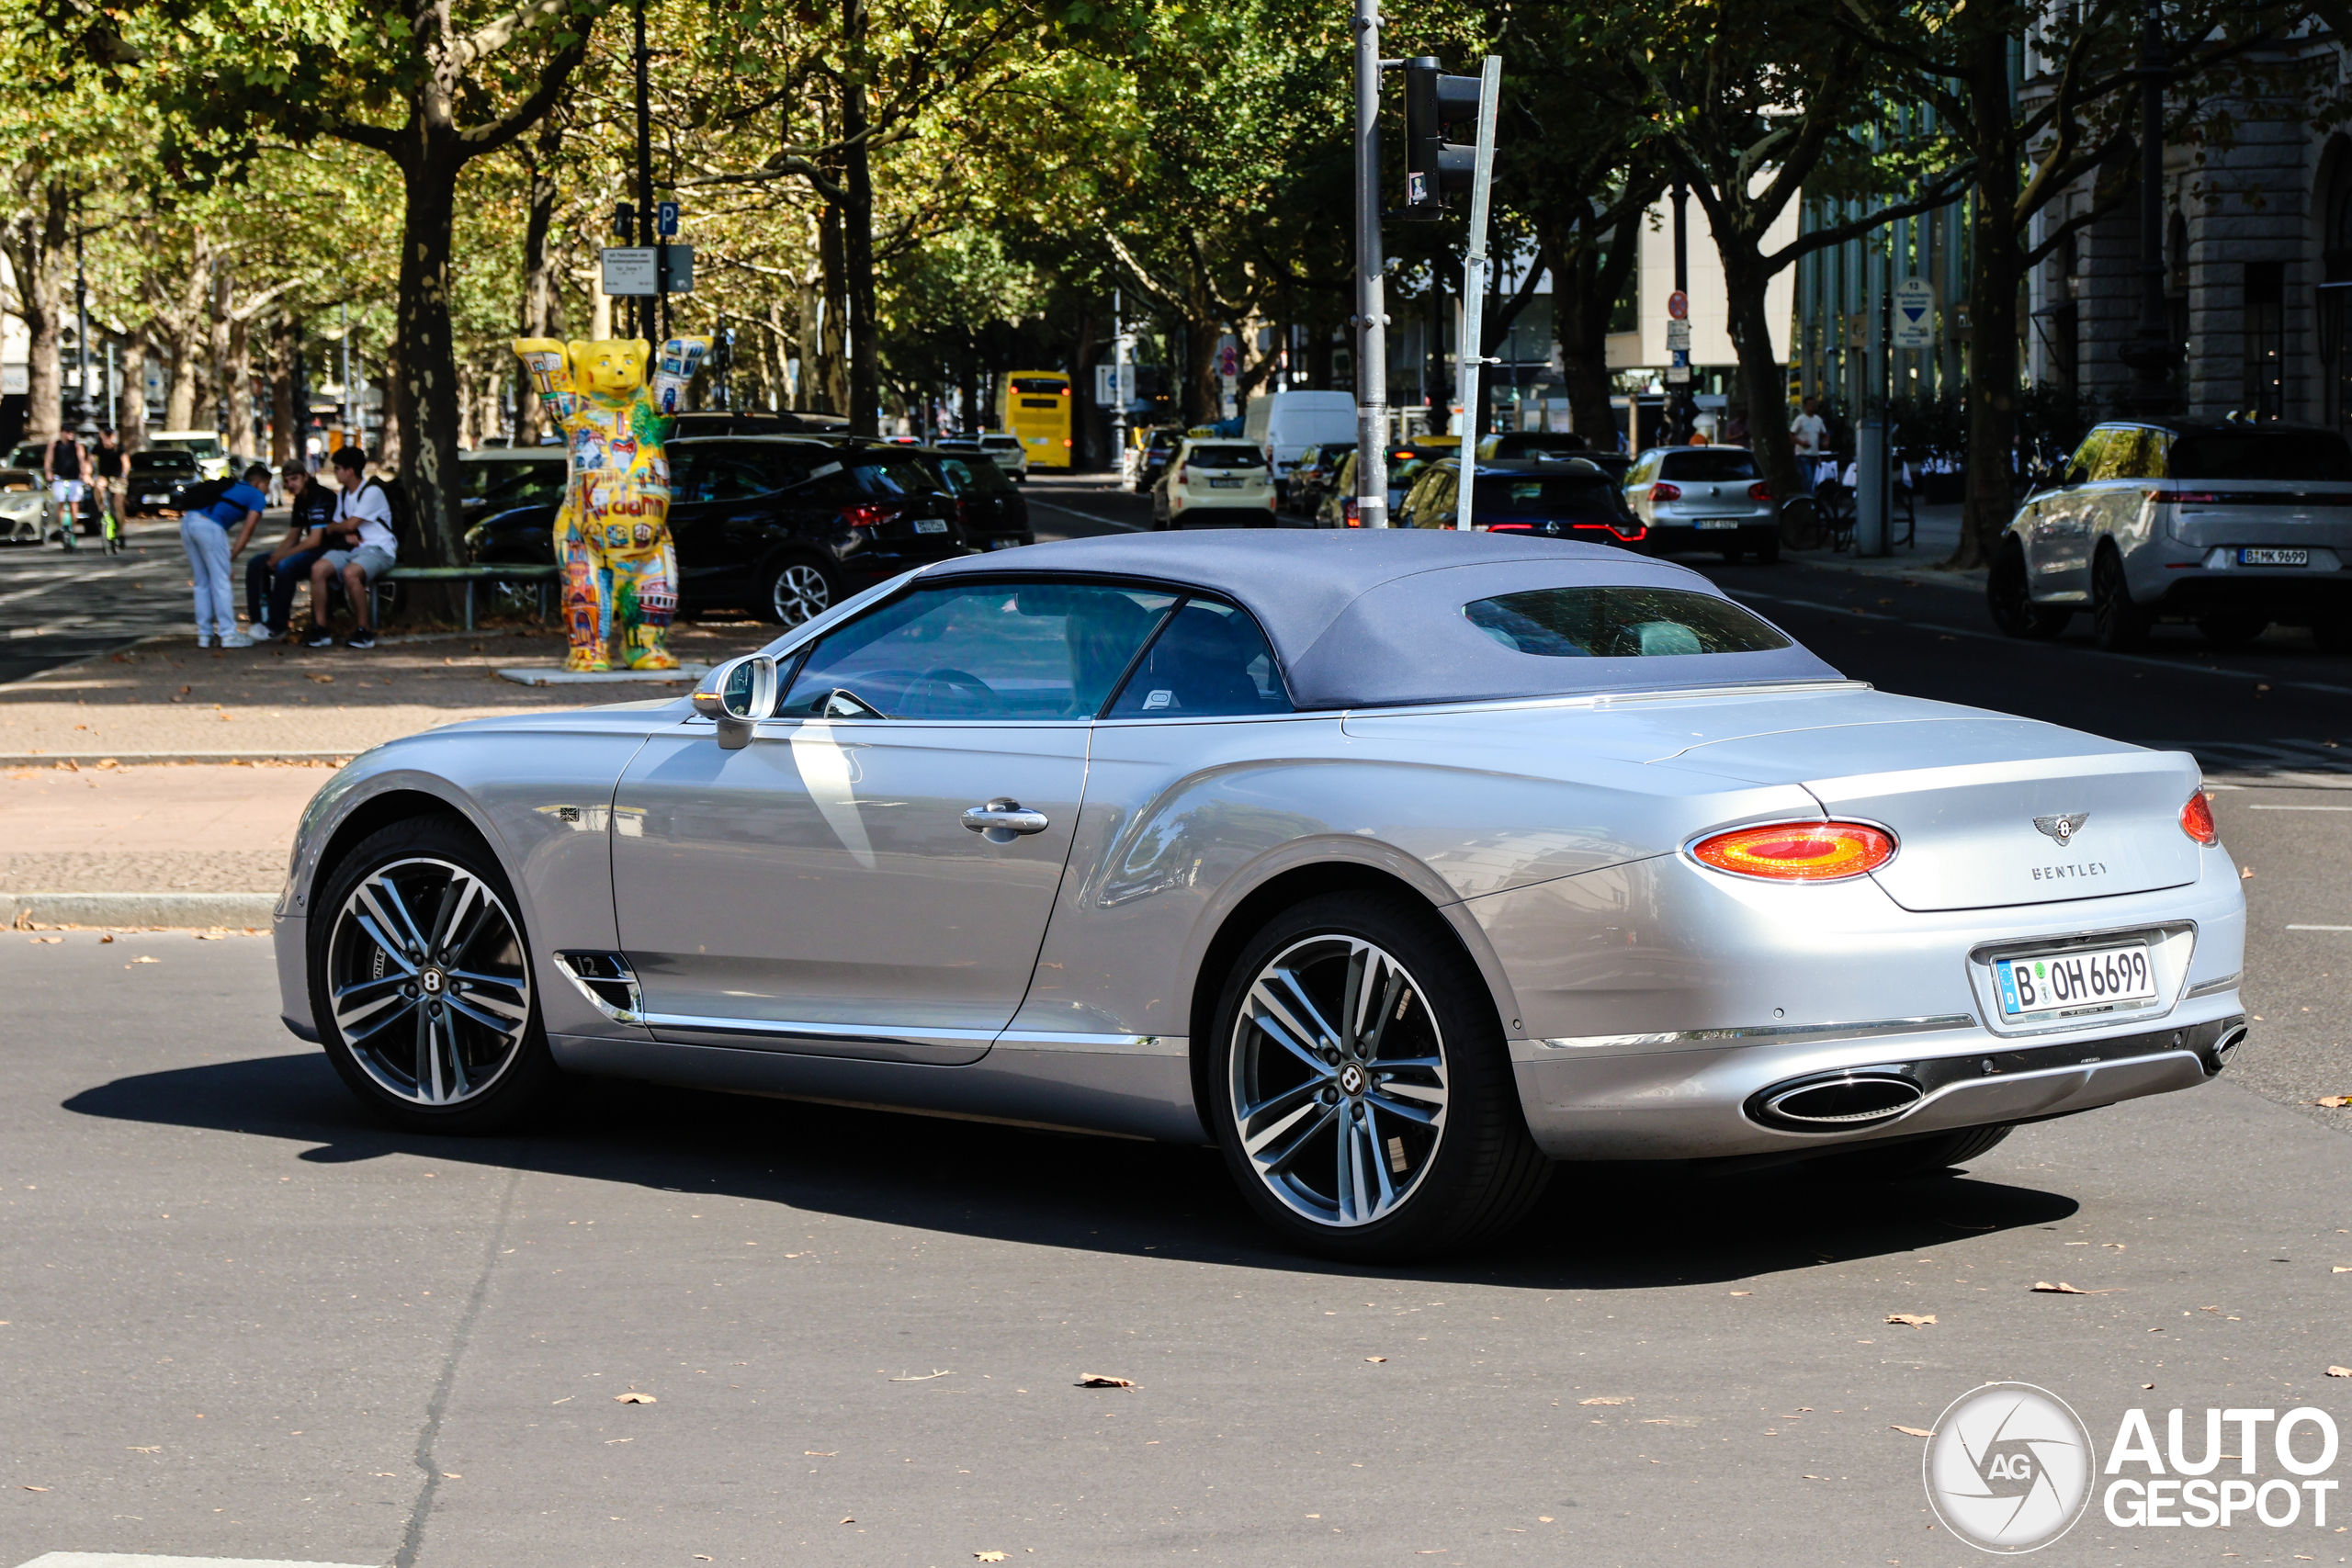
x,y
1620,623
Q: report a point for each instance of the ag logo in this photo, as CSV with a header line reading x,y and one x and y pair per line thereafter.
x,y
2009,1467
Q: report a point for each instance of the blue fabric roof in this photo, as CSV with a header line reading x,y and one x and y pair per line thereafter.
x,y
1372,618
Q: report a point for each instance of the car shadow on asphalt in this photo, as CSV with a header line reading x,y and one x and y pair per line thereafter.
x,y
1600,1227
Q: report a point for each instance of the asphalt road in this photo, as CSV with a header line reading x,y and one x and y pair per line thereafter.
x,y
58,608
237,1321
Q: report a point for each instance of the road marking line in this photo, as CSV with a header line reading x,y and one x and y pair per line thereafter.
x,y
135,1560
1088,516
2299,809
1848,610
2319,927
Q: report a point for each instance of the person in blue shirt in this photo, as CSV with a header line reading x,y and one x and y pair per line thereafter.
x,y
204,533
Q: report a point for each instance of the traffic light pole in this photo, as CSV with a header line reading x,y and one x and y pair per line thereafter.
x,y
1471,357
1371,315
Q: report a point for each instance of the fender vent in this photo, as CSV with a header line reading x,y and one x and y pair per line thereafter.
x,y
1839,1103
605,979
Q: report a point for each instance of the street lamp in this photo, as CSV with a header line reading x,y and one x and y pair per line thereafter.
x,y
2152,353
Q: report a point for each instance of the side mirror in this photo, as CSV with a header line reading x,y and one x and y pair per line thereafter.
x,y
738,696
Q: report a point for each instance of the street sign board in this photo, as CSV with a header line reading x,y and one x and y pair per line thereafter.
x,y
1229,361
666,219
1677,335
681,268
1678,306
1915,313
1679,373
628,270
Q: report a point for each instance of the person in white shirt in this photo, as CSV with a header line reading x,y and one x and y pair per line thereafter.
x,y
1809,433
367,547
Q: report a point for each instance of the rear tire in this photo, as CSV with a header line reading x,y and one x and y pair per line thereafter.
x,y
2235,628
1378,1132
2117,625
1915,1157
2008,595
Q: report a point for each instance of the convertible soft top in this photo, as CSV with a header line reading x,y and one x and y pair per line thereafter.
x,y
1375,619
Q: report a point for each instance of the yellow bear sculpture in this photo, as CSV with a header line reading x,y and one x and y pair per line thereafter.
x,y
612,537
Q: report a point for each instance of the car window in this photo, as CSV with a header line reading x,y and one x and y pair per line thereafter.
x,y
1620,623
1211,661
2088,456
983,651
965,477
1225,458
1704,468
1547,495
165,462
707,476
2260,454
521,484
891,475
2126,455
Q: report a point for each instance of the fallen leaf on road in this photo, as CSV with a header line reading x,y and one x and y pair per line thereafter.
x,y
2246,874
2060,1288
105,938
700,1558
1097,1380
1743,1292
48,939
2334,1101
2342,1268
451,1475
2147,1386
154,1450
812,1454
610,1441
2339,1372
1914,1319
924,1378
322,680
35,1489
633,1397
1915,1431
213,936
1375,1357
849,1518
989,1556
144,958
385,1475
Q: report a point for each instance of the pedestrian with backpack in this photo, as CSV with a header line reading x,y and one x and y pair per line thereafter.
x,y
271,580
62,464
363,518
204,533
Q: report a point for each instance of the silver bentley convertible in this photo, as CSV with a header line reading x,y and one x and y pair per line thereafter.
x,y
1399,865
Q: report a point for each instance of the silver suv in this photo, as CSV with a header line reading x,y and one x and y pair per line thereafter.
x,y
2231,526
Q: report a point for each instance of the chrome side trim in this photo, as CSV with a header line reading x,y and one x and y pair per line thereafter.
x,y
1756,1035
2212,987
778,1029
1118,1044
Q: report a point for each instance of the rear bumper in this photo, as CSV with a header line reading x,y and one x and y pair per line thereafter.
x,y
1668,537
1705,1103
2284,595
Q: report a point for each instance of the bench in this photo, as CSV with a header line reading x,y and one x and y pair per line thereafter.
x,y
544,575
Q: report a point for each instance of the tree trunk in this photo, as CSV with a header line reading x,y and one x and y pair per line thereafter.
x,y
1999,267
37,252
857,236
212,390
421,421
1586,281
237,389
1085,343
131,412
1763,379
285,426
537,282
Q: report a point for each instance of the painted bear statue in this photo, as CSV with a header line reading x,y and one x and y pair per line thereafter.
x,y
612,537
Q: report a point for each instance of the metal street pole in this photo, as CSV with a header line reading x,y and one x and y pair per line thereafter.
x,y
1471,357
646,320
2152,353
350,409
1372,313
1679,425
1119,381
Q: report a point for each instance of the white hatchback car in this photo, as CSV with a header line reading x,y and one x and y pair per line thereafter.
x,y
1007,452
1226,478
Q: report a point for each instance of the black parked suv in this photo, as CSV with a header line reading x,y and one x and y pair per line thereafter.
x,y
783,527
995,515
152,478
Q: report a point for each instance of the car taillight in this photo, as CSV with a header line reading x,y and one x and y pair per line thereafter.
x,y
2196,820
1631,533
1510,528
1759,491
866,515
1179,473
1666,492
1798,851
1065,439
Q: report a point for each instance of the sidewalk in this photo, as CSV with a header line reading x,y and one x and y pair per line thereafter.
x,y
161,785
1937,538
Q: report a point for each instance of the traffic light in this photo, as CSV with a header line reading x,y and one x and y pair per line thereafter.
x,y
1432,165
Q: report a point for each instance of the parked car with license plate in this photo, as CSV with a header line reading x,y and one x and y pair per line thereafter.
x,y
1573,500
1313,477
1215,483
1398,865
1704,497
779,525
24,506
2231,526
1008,454
993,515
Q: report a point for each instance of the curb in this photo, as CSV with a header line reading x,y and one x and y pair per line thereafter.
x,y
151,759
179,909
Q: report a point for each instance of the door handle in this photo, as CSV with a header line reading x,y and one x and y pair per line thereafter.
x,y
1001,821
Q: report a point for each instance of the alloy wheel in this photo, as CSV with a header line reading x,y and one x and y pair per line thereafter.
x,y
428,981
1339,1080
800,593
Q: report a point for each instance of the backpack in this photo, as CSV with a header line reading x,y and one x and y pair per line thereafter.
x,y
203,494
396,499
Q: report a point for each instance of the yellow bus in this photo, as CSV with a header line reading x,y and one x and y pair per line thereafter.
x,y
1034,406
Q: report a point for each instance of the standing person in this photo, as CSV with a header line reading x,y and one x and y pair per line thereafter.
x,y
61,466
1809,433
271,580
108,461
204,533
364,513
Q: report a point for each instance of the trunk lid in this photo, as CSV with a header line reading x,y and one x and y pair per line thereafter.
x,y
2289,513
1988,811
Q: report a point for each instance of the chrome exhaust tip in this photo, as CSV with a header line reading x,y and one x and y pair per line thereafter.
x,y
2217,1056
1835,1102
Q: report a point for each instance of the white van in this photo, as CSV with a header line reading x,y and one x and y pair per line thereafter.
x,y
1283,424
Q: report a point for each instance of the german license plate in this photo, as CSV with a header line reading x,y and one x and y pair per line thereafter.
x,y
931,524
2274,558
1225,484
154,499
2081,980
1002,543
1719,522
